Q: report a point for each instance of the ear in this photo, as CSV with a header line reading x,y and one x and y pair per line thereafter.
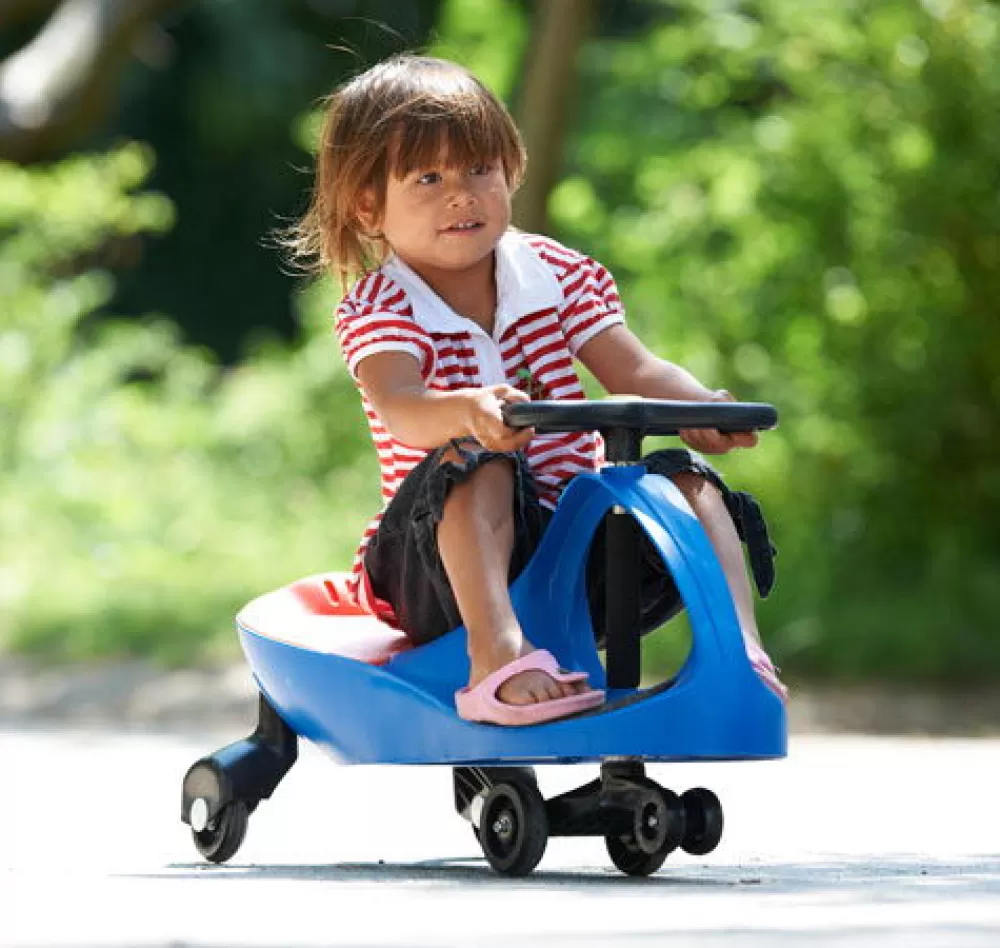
x,y
365,211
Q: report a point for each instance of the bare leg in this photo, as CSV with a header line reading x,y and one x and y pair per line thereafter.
x,y
475,539
708,505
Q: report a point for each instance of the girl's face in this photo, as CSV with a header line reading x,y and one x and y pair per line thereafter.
x,y
446,220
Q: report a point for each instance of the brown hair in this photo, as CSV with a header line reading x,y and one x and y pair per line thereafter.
x,y
393,119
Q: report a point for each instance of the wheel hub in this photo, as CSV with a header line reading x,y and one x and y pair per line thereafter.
x,y
505,827
651,824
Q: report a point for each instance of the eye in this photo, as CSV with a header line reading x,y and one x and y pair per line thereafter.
x,y
429,177
481,170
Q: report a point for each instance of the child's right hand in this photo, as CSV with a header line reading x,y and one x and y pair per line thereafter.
x,y
485,418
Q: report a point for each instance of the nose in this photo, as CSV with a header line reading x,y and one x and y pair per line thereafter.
x,y
460,194
461,197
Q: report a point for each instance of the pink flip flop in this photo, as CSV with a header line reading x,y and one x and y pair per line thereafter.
x,y
480,703
766,671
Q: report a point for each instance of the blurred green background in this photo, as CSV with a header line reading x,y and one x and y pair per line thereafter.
x,y
800,202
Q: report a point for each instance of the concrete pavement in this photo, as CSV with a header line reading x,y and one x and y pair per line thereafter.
x,y
851,841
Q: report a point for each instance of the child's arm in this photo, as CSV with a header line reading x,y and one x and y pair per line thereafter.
x,y
624,366
425,418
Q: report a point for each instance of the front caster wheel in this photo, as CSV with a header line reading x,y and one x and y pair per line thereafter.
x,y
658,826
221,837
703,818
513,828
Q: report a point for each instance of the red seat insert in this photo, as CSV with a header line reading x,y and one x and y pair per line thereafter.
x,y
318,613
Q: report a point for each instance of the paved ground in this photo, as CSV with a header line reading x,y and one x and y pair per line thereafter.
x,y
853,841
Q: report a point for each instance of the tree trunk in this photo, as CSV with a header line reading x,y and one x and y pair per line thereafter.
x,y
547,93
57,86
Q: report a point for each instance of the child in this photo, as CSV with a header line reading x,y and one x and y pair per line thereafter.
x,y
458,314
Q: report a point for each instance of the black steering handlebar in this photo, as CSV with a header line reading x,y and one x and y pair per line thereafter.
x,y
625,421
650,416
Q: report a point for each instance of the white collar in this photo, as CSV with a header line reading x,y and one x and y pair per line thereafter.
x,y
525,284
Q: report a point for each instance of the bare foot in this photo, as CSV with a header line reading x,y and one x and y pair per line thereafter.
x,y
527,687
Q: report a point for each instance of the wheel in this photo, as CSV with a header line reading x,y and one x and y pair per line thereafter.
x,y
703,818
521,777
513,828
630,859
659,819
657,830
220,839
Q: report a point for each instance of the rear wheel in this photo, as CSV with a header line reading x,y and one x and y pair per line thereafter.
x,y
513,828
223,836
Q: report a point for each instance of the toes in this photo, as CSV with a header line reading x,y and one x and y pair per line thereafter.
x,y
515,692
540,692
571,688
543,688
536,687
553,689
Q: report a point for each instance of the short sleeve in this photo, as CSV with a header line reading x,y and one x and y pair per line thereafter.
x,y
364,331
592,304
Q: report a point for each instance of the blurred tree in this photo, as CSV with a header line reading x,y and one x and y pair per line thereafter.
x,y
546,101
57,86
145,493
800,203
214,87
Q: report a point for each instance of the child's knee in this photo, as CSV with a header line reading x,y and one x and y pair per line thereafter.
x,y
490,479
493,475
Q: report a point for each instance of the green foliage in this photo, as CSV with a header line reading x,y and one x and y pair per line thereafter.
x,y
144,493
799,201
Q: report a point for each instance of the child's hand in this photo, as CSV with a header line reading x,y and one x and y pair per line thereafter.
x,y
710,441
486,423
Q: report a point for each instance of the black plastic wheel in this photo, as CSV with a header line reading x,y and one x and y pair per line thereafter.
x,y
516,776
657,830
513,828
219,841
659,818
704,822
630,859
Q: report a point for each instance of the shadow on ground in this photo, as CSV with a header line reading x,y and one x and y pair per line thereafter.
x,y
883,877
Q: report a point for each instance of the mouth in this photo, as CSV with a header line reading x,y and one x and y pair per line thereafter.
x,y
461,228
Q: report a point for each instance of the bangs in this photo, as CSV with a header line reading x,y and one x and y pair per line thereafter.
x,y
458,123
461,137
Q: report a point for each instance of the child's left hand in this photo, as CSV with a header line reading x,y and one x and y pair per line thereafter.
x,y
711,441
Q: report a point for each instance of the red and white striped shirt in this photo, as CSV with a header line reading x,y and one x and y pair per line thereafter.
x,y
551,300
